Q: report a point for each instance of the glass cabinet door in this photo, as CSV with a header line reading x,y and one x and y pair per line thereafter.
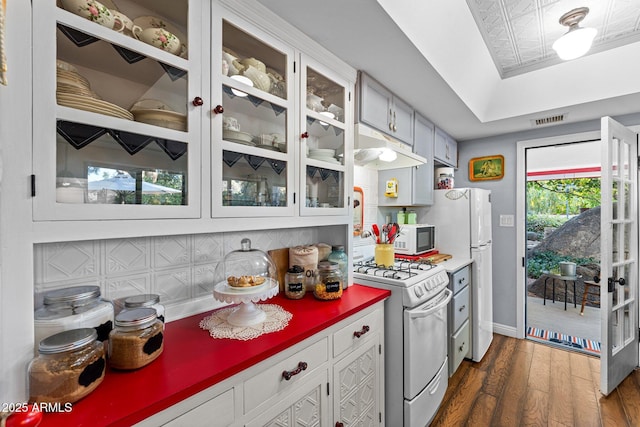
x,y
252,124
113,88
325,142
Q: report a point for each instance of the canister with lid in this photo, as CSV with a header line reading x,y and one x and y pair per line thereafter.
x,y
72,308
145,300
339,256
136,340
69,366
330,283
294,282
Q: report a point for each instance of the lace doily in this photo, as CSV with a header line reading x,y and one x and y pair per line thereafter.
x,y
218,327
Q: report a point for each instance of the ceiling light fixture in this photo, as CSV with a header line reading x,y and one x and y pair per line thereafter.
x,y
577,41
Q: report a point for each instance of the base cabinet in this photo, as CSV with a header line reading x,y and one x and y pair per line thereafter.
x,y
459,332
335,378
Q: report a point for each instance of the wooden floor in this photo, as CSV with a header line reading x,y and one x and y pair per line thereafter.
x,y
522,383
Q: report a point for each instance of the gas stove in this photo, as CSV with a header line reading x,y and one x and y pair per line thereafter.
x,y
418,281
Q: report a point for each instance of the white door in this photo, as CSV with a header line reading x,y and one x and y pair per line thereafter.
x,y
619,254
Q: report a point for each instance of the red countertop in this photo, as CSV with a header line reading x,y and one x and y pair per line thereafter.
x,y
193,361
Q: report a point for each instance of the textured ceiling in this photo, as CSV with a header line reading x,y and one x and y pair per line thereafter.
x,y
519,33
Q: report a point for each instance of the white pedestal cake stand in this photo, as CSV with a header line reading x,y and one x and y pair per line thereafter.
x,y
247,313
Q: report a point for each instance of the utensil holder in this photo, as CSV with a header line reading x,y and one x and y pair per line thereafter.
x,y
384,254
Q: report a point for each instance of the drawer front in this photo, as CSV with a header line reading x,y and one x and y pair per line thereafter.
x,y
460,279
460,307
221,405
459,347
357,332
271,382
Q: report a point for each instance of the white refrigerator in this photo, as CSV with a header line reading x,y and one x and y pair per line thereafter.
x,y
462,217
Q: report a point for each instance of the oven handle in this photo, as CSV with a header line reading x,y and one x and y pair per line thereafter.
x,y
447,295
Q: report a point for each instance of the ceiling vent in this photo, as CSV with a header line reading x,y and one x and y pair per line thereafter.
x,y
549,120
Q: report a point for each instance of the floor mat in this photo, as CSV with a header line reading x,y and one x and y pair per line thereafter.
x,y
581,344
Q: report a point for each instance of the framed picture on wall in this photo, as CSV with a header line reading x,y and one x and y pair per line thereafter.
x,y
486,168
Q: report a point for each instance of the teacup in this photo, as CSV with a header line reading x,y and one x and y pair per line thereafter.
x,y
253,62
93,11
127,24
230,123
160,38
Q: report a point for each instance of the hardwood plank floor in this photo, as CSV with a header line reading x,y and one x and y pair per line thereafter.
x,y
525,383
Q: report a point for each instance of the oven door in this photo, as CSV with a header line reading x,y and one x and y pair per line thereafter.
x,y
425,342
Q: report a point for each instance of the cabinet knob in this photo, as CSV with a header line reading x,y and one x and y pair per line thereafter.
x,y
197,101
218,109
339,424
305,135
461,347
361,332
288,374
462,308
390,125
395,128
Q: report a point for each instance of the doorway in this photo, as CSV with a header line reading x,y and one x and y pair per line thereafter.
x,y
562,226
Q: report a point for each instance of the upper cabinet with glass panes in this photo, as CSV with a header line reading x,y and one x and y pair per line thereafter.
x,y
254,123
325,141
116,84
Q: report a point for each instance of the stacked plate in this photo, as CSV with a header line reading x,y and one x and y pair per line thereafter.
x,y
157,113
324,154
237,136
73,90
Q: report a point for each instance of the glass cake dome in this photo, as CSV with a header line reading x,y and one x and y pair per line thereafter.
x,y
246,267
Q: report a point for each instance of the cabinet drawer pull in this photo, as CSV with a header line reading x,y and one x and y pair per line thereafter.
x,y
305,135
461,347
362,331
197,101
462,308
288,374
218,109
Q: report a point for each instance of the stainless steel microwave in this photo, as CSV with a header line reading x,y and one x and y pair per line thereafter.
x,y
415,239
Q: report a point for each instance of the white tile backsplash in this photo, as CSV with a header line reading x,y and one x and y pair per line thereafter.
x,y
179,268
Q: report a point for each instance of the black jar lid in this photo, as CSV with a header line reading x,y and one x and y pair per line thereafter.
x,y
70,340
73,295
327,265
296,269
337,247
143,300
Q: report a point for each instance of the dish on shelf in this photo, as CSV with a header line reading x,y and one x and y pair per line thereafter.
x,y
76,90
72,78
268,147
63,65
145,22
93,105
322,152
150,104
326,159
260,80
232,135
163,118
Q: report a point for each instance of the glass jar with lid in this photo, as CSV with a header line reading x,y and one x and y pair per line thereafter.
x,y
339,256
72,308
69,366
294,283
247,268
330,281
145,300
136,340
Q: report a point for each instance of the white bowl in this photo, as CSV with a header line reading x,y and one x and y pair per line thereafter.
x,y
260,80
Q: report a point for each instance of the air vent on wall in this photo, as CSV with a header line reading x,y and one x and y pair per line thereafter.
x,y
549,120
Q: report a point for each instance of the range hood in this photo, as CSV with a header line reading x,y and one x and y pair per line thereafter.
x,y
370,144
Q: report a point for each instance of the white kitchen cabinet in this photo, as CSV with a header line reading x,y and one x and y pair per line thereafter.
x,y
336,377
288,155
459,335
115,132
446,149
96,158
358,386
415,184
381,109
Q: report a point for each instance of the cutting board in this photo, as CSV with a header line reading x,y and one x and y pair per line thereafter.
x,y
438,258
280,258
